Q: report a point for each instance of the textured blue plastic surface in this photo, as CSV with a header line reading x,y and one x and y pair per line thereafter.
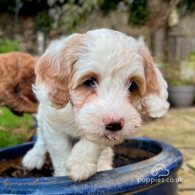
x,y
117,181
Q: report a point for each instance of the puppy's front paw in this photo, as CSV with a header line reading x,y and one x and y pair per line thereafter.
x,y
33,159
80,170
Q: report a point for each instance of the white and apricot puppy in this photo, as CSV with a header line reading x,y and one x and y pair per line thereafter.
x,y
94,86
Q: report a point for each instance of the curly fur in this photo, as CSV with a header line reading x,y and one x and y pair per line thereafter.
x,y
17,76
70,108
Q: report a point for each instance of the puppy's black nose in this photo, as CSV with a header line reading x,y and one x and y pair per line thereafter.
x,y
114,126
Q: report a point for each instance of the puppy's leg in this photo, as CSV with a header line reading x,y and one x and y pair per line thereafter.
x,y
106,159
36,156
82,162
59,148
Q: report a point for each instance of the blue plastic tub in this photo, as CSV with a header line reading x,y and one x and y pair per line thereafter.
x,y
155,175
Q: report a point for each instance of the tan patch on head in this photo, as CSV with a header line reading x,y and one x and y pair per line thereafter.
x,y
152,85
56,72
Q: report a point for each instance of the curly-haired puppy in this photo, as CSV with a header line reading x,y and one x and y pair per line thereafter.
x,y
17,76
94,86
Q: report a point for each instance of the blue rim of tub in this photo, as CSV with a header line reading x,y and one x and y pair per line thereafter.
x,y
118,180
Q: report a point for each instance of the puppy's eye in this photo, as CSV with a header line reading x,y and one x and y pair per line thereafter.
x,y
132,87
91,82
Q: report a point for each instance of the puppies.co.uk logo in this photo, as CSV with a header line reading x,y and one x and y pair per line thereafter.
x,y
160,173
160,170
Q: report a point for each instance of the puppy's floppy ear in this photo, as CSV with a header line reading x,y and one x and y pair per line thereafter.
x,y
54,70
154,101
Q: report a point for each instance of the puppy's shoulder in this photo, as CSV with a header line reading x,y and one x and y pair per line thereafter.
x,y
62,115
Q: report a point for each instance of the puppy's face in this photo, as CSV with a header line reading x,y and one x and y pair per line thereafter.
x,y
110,82
107,83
